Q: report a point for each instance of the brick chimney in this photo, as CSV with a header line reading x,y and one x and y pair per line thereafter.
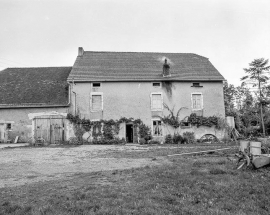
x,y
80,52
166,69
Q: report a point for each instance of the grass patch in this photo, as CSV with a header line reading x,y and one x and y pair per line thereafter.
x,y
187,185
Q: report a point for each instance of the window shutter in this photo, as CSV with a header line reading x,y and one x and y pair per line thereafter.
x,y
96,102
156,101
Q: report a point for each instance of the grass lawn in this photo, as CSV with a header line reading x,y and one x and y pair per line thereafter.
x,y
198,184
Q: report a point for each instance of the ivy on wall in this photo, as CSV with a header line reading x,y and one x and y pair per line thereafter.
x,y
193,119
107,130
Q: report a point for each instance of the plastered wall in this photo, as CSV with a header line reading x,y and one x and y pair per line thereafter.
x,y
21,124
133,99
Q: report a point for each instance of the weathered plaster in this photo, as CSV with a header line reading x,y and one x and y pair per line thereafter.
x,y
22,126
133,99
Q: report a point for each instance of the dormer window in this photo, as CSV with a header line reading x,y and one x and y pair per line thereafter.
x,y
166,69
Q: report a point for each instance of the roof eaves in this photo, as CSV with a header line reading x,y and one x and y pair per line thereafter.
x,y
6,106
144,80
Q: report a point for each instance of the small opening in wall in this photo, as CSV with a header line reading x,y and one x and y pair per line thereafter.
x,y
8,126
185,124
96,85
196,85
156,84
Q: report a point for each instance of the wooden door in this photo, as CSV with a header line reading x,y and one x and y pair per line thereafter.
x,y
42,129
57,130
51,129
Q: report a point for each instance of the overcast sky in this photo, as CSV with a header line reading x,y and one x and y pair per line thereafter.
x,y
231,33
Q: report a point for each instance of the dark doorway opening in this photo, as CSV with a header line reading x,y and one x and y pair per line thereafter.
x,y
129,133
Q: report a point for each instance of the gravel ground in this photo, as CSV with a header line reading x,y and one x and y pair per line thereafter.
x,y
21,166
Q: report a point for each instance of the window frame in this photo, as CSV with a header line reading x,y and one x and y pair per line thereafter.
x,y
92,84
152,127
197,93
8,127
156,83
196,84
91,101
151,98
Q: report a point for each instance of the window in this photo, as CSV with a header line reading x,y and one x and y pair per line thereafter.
x,y
157,128
96,85
185,125
8,126
156,101
156,84
96,101
197,102
196,85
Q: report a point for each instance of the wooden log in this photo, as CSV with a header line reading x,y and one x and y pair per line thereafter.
x,y
199,152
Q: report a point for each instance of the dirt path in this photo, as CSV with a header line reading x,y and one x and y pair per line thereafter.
x,y
27,165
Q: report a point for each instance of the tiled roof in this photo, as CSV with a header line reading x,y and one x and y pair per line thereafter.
x,y
43,86
141,66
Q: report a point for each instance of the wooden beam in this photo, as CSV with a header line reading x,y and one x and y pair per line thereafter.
x,y
190,153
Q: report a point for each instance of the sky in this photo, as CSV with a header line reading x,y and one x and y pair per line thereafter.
x,y
231,33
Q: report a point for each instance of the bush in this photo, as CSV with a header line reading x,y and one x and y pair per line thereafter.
x,y
144,131
189,137
148,137
142,141
74,141
177,139
168,139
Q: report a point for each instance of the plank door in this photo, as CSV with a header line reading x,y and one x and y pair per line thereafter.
x,y
42,129
57,130
50,129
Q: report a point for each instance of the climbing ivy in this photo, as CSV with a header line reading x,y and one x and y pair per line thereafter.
x,y
174,121
105,129
210,121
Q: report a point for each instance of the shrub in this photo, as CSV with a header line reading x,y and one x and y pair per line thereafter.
x,y
177,139
168,139
142,141
189,137
74,141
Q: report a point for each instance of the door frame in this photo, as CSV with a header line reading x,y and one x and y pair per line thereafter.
x,y
132,126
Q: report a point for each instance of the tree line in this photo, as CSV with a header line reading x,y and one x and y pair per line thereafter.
x,y
249,103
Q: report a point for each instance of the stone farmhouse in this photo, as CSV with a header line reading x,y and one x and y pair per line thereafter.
x,y
110,85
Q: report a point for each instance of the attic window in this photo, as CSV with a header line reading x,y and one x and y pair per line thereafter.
x,y
196,85
95,85
156,84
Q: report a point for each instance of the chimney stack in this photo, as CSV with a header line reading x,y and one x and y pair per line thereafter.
x,y
80,53
166,69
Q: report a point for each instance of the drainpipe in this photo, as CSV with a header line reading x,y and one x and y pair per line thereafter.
x,y
75,96
75,105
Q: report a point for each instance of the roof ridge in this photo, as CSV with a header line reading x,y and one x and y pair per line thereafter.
x,y
53,67
143,52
